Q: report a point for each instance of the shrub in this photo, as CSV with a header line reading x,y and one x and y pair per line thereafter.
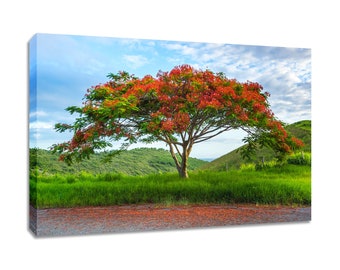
x,y
247,167
300,159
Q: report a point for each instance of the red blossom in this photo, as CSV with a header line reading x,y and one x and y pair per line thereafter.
x,y
167,125
298,143
185,102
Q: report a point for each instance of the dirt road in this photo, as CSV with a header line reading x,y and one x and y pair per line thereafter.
x,y
137,218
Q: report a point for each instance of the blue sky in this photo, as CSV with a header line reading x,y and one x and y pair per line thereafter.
x,y
62,67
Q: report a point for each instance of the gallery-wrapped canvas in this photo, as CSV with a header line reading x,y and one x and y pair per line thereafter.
x,y
134,135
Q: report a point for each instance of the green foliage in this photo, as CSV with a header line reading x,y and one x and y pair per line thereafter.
x,y
140,161
288,185
234,160
303,131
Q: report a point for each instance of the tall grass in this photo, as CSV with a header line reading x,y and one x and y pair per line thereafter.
x,y
289,184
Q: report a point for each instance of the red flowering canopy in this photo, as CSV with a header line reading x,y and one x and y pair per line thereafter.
x,y
181,108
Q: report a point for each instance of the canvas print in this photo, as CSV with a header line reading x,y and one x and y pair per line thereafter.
x,y
136,135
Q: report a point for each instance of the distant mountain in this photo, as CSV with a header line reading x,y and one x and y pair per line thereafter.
x,y
233,159
140,161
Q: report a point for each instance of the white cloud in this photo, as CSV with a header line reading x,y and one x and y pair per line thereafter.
x,y
41,125
37,114
135,61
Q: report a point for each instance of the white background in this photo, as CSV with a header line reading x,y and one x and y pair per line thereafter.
x,y
274,23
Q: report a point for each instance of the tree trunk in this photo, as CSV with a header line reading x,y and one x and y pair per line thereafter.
x,y
181,166
184,164
183,173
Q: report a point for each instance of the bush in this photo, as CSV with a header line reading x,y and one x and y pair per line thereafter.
x,y
247,167
300,159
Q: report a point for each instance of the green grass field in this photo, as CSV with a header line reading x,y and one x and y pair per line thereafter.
x,y
275,185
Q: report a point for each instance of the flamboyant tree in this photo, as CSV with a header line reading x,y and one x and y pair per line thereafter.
x,y
182,107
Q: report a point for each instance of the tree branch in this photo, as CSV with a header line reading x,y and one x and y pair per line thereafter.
x,y
202,139
174,157
179,153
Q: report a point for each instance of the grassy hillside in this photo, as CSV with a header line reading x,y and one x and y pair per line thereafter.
x,y
141,161
233,160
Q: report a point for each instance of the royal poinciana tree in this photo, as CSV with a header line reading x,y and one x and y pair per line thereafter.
x,y
182,107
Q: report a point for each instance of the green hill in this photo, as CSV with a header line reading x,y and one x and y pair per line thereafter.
x,y
140,161
233,159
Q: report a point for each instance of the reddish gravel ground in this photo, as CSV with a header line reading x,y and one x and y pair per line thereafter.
x,y
137,218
